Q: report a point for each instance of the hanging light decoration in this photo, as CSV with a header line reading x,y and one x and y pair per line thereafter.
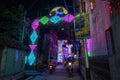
x,y
58,11
44,20
33,37
68,18
55,19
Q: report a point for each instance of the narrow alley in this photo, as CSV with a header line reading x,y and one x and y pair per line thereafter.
x,y
59,74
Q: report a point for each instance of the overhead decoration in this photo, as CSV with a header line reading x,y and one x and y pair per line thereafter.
x,y
55,19
33,37
44,20
32,46
78,15
81,14
59,11
82,27
31,58
56,15
35,24
68,18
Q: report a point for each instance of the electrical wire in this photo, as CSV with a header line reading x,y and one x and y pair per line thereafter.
x,y
74,7
32,5
66,5
74,20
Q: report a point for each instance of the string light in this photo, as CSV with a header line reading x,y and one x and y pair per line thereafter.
x,y
110,8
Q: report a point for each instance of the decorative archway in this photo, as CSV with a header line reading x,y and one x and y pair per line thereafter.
x,y
57,15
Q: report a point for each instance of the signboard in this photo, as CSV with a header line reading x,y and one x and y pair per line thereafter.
x,y
82,27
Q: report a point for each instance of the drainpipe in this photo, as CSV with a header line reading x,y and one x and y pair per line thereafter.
x,y
87,67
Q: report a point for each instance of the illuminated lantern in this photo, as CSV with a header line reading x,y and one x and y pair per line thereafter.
x,y
35,24
44,20
68,18
31,58
33,36
78,15
32,46
55,19
59,13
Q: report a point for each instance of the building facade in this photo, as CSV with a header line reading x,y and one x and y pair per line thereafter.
x,y
12,58
53,47
114,31
99,45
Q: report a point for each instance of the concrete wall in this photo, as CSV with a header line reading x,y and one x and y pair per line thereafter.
x,y
99,22
116,31
102,21
115,59
12,61
114,62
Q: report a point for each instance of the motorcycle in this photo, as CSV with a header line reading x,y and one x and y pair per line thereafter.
x,y
70,69
51,69
65,63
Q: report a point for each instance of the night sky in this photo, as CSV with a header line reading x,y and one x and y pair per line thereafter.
x,y
39,7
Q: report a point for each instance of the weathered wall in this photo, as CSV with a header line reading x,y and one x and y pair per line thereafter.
x,y
116,31
12,61
100,21
115,59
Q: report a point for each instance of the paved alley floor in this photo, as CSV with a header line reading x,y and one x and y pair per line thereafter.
x,y
60,74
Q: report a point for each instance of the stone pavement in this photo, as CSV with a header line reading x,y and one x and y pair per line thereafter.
x,y
60,74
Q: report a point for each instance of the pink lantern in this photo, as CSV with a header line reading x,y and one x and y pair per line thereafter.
x,y
32,46
68,18
35,24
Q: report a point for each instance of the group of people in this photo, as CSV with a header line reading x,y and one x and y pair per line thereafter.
x,y
66,60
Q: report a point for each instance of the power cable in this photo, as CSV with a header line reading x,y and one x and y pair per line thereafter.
x,y
31,5
74,7
66,5
74,11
